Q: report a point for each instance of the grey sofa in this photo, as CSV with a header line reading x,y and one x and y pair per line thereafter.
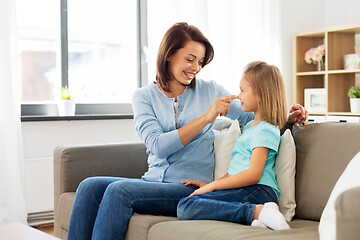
x,y
323,152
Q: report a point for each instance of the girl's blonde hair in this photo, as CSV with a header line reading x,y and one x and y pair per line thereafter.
x,y
268,85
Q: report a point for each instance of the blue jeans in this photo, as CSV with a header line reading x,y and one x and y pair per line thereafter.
x,y
104,205
233,205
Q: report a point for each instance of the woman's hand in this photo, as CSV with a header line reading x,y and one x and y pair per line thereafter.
x,y
219,107
195,183
297,113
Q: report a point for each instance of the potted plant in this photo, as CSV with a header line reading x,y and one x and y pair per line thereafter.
x,y
66,105
354,95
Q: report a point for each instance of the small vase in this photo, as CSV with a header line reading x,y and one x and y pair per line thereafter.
x,y
355,105
321,65
66,107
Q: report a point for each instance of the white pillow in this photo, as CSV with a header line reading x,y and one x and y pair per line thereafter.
x,y
285,175
224,143
350,178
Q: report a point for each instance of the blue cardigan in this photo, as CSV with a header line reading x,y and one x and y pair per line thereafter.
x,y
169,160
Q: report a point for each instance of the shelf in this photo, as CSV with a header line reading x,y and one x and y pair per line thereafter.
x,y
310,73
343,114
343,71
334,114
335,79
317,114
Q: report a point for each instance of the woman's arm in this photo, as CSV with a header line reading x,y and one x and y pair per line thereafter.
x,y
235,108
219,107
245,178
163,144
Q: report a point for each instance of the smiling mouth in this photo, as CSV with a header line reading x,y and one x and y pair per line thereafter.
x,y
190,75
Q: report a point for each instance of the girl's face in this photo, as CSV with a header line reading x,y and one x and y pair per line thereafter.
x,y
186,62
247,96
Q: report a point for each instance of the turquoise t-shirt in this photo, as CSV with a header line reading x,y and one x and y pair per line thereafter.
x,y
262,135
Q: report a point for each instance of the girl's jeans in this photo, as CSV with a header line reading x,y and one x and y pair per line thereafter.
x,y
233,205
104,205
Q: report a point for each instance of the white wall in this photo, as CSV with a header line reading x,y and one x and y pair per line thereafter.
x,y
40,139
304,15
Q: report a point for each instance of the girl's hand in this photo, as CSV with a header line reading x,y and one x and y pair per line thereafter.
x,y
205,189
219,107
195,183
297,113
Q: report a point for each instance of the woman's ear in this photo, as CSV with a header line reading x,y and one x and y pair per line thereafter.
x,y
168,59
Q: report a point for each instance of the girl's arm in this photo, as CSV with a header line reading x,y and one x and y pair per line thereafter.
x,y
245,178
225,176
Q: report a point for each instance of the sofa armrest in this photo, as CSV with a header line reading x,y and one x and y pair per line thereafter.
x,y
348,215
72,164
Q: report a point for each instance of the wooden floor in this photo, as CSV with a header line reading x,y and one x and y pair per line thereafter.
x,y
47,228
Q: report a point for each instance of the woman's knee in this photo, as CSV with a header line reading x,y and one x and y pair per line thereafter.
x,y
87,183
93,186
123,189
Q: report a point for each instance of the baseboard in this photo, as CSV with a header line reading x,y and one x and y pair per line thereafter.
x,y
39,218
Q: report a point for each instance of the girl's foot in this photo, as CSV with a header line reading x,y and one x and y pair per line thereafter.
x,y
271,216
257,223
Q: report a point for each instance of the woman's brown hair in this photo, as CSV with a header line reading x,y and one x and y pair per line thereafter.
x,y
175,38
268,85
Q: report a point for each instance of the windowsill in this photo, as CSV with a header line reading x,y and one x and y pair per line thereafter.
x,y
41,118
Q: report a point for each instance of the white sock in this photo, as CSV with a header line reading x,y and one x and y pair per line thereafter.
x,y
257,223
271,216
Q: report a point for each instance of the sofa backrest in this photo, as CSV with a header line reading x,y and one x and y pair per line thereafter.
x,y
323,150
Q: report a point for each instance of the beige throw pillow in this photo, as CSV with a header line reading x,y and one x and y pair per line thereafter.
x,y
285,164
224,143
285,175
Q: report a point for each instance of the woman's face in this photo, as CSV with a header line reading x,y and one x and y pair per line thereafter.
x,y
186,62
247,96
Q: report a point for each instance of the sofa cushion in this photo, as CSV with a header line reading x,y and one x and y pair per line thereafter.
x,y
323,150
224,143
214,230
139,225
285,175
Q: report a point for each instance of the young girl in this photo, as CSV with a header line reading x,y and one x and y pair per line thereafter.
x,y
248,193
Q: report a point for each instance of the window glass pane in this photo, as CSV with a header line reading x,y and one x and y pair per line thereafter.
x,y
102,49
38,31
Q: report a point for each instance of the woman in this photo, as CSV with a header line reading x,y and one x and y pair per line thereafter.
x,y
173,118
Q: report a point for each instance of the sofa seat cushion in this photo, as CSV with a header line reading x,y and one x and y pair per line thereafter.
x,y
139,225
214,230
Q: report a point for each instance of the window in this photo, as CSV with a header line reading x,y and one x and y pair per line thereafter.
x,y
90,45
38,48
102,50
